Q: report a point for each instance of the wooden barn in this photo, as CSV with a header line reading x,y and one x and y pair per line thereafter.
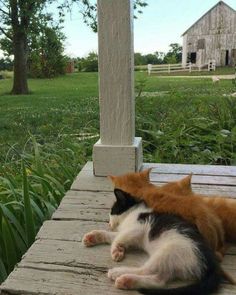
x,y
212,37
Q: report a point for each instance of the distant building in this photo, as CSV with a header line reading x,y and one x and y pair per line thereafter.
x,y
70,66
212,37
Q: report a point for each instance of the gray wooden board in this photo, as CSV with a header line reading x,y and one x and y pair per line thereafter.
x,y
216,170
68,230
47,279
75,254
85,206
183,169
74,230
86,181
196,179
65,267
60,280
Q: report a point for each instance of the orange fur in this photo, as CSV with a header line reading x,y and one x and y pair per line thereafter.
x,y
224,207
168,200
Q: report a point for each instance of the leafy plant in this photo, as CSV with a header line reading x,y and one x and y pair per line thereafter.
x,y
31,188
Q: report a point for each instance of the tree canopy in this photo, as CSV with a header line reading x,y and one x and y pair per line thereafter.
x,y
20,19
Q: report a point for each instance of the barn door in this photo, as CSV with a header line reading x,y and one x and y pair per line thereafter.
x,y
224,60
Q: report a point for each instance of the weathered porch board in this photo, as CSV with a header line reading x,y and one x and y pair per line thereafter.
x,y
57,263
205,181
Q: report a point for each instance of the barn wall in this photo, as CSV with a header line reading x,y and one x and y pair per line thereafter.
x,y
212,35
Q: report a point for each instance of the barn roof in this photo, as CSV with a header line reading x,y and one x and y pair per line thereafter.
x,y
219,3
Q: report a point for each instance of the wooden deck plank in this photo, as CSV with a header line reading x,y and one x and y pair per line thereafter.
x,y
47,274
216,170
46,279
85,206
60,280
58,263
75,254
87,182
196,179
74,230
31,278
68,230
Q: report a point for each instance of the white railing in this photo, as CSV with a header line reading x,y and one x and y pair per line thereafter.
x,y
168,68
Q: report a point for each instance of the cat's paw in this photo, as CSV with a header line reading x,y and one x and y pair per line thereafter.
x,y
117,252
115,272
93,238
125,282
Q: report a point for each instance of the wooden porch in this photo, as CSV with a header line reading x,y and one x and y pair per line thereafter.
x,y
58,263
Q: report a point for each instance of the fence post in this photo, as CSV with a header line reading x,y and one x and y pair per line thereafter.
x,y
190,67
149,66
168,68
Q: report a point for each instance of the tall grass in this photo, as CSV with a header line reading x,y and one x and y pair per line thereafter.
x,y
32,185
194,131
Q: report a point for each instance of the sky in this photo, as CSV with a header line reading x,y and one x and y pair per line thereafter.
x,y
162,23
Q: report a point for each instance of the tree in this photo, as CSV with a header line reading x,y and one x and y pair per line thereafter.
x,y
20,18
174,55
89,63
6,64
46,58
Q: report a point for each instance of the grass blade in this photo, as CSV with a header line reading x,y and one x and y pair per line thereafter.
x,y
11,217
3,271
29,221
11,256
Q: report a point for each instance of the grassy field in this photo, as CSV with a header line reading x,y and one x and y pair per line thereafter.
x,y
187,121
47,136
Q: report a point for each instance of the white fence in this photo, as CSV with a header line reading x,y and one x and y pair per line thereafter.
x,y
168,68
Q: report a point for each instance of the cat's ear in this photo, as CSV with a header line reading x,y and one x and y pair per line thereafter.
x,y
146,174
186,181
121,196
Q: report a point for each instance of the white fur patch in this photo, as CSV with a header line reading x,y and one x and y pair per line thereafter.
x,y
175,254
172,255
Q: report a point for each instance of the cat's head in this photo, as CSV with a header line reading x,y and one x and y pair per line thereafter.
x,y
131,182
179,187
124,202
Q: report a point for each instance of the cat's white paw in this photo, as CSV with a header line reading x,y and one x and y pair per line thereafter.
x,y
93,238
117,252
115,272
125,282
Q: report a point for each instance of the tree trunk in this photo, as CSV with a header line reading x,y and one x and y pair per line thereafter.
x,y
20,85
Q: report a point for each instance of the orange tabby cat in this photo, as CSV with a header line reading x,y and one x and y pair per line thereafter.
x,y
191,209
224,207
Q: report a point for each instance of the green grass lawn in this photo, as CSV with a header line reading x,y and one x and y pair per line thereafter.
x,y
47,136
62,107
180,120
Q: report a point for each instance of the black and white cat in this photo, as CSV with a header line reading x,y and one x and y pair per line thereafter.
x,y
176,250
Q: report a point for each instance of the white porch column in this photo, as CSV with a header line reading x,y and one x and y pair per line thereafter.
x,y
117,151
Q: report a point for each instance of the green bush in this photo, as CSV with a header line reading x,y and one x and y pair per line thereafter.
x,y
89,63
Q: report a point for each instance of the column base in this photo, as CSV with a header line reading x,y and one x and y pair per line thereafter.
x,y
115,159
